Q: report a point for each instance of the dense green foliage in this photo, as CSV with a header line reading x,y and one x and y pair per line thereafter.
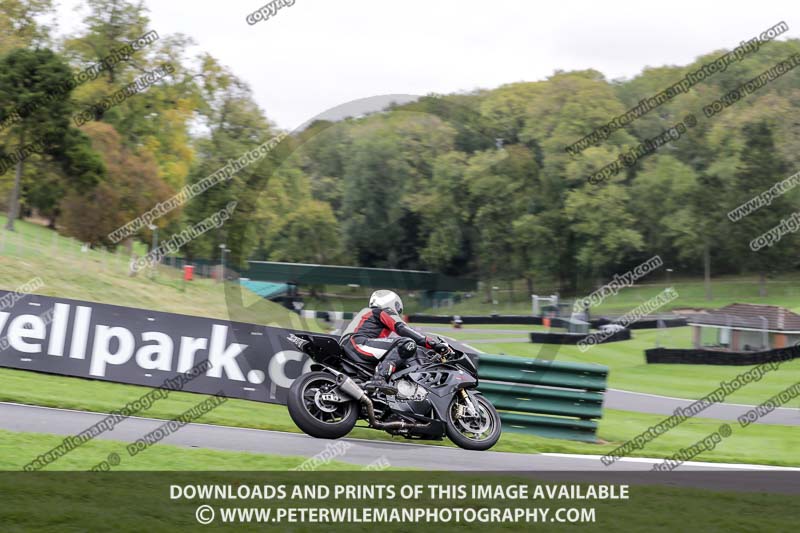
x,y
473,184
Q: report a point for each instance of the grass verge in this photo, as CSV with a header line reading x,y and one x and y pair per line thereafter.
x,y
100,276
17,449
758,443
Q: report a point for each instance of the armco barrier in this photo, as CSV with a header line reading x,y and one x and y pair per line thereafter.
x,y
694,356
644,323
477,319
555,322
548,398
557,337
331,316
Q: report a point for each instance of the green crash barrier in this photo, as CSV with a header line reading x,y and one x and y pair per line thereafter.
x,y
547,398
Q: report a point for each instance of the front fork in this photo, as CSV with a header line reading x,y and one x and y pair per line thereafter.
x,y
471,408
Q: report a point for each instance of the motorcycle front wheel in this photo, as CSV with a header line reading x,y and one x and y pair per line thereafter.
x,y
478,431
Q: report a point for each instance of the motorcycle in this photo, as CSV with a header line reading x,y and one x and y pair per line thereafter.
x,y
432,397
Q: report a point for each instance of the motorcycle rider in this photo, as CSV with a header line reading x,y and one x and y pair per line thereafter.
x,y
366,337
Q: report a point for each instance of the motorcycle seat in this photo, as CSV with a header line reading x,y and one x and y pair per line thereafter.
x,y
327,345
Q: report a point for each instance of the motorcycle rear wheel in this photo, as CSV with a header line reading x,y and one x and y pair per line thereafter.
x,y
315,416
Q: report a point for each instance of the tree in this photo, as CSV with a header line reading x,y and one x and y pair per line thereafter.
x,y
31,88
110,25
158,118
320,155
660,195
500,184
566,107
131,189
43,189
236,125
20,25
444,212
759,169
389,163
309,234
461,112
604,228
504,109
532,239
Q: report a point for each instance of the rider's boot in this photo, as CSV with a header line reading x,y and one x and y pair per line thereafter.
x,y
380,381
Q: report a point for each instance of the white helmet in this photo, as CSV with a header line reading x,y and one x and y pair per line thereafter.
x,y
384,298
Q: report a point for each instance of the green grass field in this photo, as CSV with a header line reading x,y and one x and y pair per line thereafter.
x,y
758,443
18,449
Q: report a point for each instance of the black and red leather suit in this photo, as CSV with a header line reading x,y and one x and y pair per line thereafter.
x,y
367,337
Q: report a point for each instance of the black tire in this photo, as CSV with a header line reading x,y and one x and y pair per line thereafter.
x,y
312,416
483,441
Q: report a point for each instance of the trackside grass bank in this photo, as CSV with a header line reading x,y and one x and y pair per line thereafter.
x,y
18,449
758,443
67,270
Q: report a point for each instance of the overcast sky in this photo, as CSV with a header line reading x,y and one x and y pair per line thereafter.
x,y
319,54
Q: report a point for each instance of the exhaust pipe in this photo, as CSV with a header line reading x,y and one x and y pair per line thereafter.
x,y
397,424
349,387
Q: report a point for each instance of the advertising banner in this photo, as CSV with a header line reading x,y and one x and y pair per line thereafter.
x,y
142,347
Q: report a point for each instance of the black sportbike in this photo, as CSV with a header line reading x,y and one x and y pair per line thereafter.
x,y
433,396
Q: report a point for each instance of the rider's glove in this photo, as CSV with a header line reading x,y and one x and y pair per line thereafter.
x,y
441,347
431,343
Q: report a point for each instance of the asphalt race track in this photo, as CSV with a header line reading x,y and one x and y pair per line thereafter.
x,y
26,418
664,405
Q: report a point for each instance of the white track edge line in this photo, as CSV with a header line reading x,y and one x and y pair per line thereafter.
x,y
743,466
692,401
651,460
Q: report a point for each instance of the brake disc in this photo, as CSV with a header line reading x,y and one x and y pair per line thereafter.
x,y
322,404
474,424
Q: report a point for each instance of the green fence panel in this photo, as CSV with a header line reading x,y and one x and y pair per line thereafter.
x,y
543,372
548,398
528,399
550,426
